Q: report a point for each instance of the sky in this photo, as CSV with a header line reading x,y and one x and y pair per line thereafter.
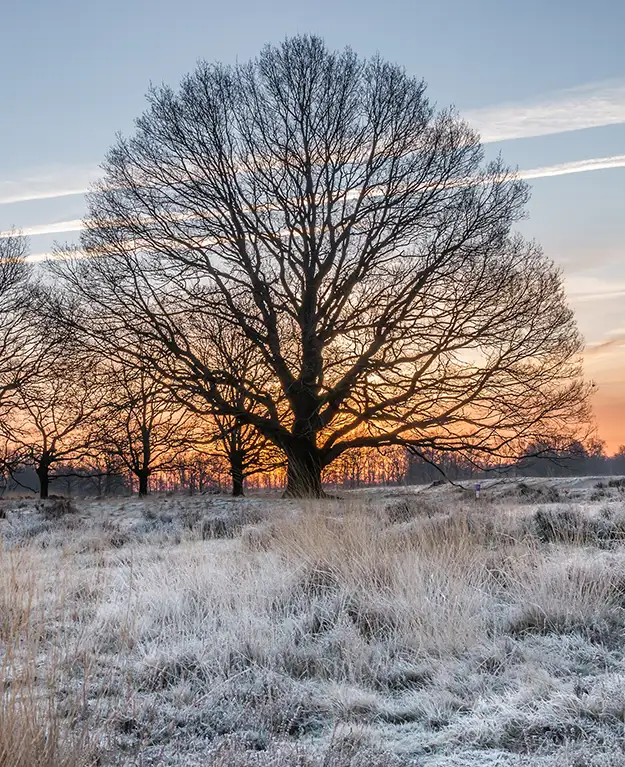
x,y
542,80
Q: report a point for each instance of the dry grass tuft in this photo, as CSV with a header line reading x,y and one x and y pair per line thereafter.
x,y
33,735
32,731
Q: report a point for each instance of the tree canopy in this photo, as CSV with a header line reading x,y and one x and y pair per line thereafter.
x,y
354,238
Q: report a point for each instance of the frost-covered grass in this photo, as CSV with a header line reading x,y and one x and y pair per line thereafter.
x,y
391,628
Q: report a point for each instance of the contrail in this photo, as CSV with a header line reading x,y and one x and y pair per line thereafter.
x,y
48,184
35,258
565,168
581,289
580,166
75,225
51,194
588,106
616,342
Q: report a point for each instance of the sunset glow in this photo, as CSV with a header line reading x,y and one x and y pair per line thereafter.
x,y
562,128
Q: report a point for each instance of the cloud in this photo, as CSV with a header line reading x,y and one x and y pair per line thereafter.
x,y
588,106
35,258
49,184
582,288
580,166
75,225
48,194
565,168
617,341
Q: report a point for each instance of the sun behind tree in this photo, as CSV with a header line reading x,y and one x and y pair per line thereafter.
x,y
354,237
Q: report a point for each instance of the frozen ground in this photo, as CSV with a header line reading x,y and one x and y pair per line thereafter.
x,y
405,626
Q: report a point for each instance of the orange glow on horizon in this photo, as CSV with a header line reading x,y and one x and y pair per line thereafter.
x,y
609,408
606,367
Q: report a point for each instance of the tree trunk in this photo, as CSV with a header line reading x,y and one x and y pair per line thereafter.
x,y
236,472
143,483
303,471
43,473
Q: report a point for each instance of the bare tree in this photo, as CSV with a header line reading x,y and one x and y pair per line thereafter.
x,y
103,469
619,460
243,446
318,203
53,422
141,425
244,449
15,340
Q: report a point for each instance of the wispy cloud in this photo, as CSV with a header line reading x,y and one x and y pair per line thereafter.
x,y
616,341
48,184
35,258
75,225
582,288
580,166
48,194
589,106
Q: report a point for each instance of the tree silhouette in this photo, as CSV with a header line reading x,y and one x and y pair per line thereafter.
x,y
317,202
243,447
16,343
53,421
140,424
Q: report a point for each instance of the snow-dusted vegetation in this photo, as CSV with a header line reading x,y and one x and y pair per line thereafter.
x,y
412,626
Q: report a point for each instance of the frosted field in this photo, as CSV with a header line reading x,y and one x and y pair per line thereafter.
x,y
396,627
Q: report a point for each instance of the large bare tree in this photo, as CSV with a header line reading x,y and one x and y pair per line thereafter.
x,y
318,202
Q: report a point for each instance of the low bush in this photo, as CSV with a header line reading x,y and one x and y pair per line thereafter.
x,y
55,508
573,526
408,509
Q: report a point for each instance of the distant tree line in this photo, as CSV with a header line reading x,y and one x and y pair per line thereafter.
x,y
199,473
540,460
296,268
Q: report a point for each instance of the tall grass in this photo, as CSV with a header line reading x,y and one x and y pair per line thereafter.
x,y
32,731
334,634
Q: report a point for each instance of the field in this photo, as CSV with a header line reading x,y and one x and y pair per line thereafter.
x,y
413,626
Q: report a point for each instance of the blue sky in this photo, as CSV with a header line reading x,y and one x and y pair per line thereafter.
x,y
543,81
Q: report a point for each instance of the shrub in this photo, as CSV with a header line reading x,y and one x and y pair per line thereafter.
x,y
55,508
529,494
561,526
229,524
575,527
408,509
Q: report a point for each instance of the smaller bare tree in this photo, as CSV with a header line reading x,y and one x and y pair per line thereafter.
x,y
142,425
15,340
231,438
104,470
243,448
53,418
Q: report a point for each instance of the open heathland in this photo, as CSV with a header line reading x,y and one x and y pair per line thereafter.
x,y
393,627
